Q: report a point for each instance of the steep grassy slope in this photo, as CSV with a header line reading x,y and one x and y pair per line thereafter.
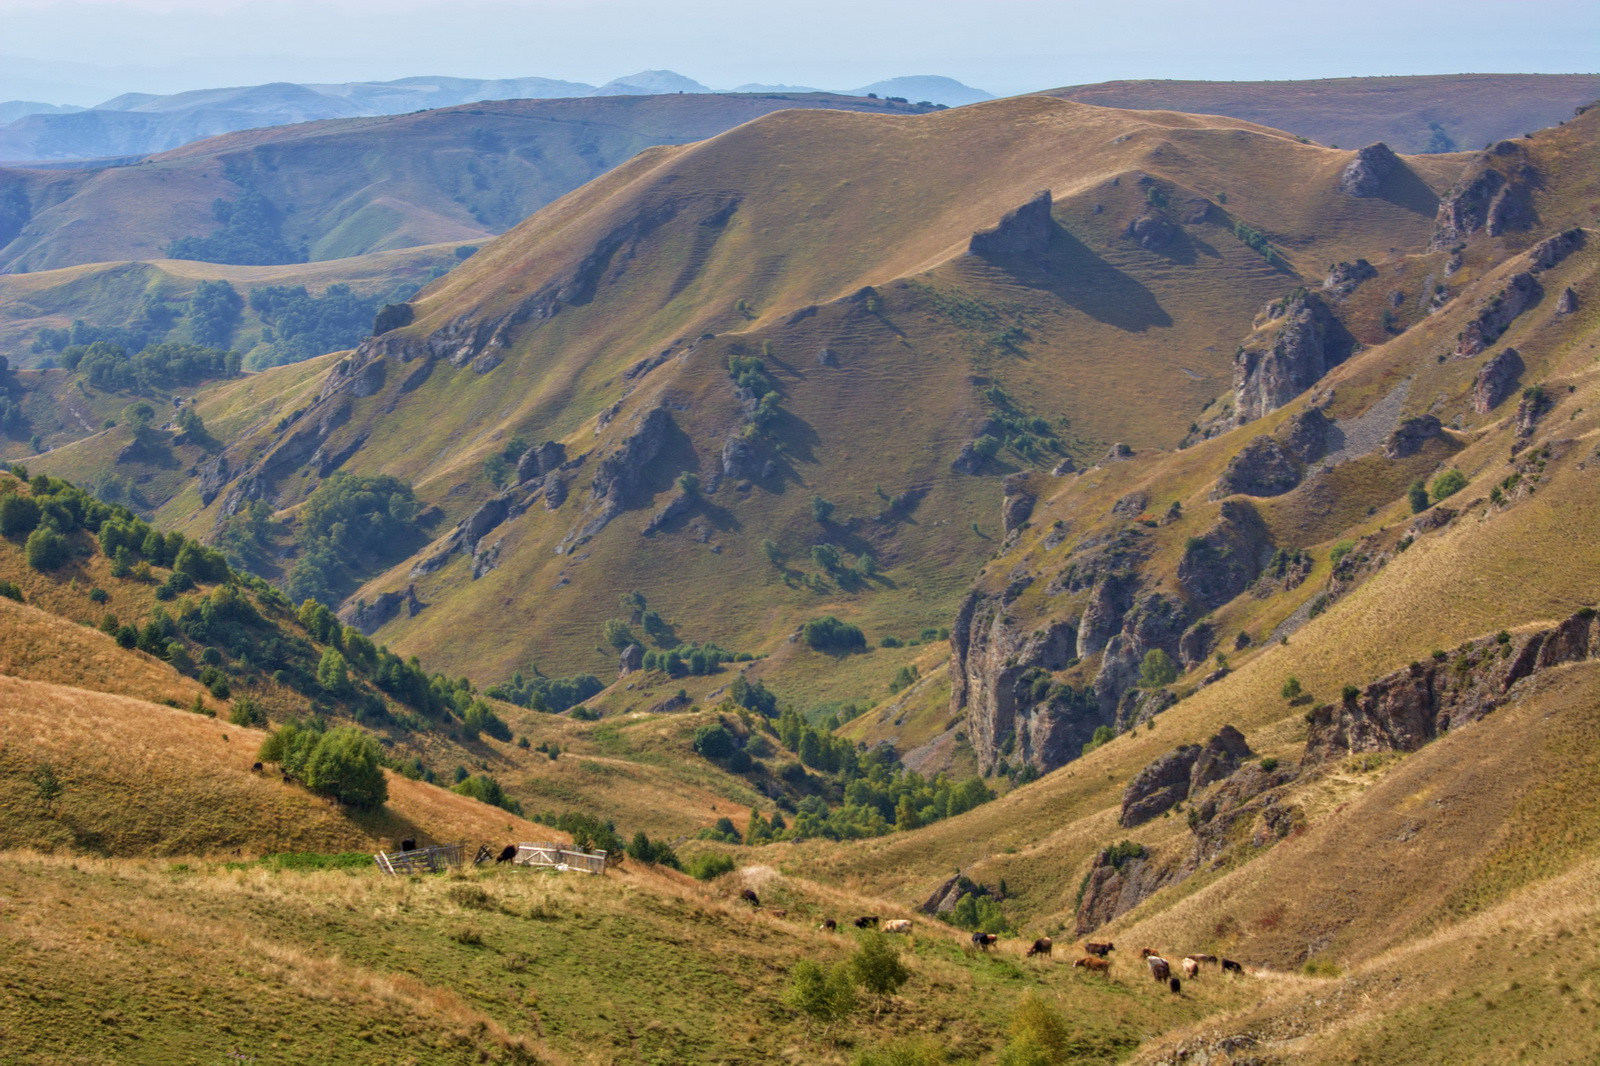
x,y
1470,110
118,294
345,187
632,295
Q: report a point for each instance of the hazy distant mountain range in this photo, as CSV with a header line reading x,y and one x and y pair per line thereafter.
x,y
142,123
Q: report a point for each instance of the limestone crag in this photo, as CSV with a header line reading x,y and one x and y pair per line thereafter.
x,y
1411,436
1492,195
1568,302
1366,173
1345,276
1151,231
1181,773
1408,708
1552,250
1497,313
1221,564
1299,343
1022,231
1496,380
369,617
619,476
1018,504
1261,468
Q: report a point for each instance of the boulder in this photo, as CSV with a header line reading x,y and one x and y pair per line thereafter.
x,y
1152,232
540,460
1568,302
1018,503
1345,276
1117,454
1496,380
740,459
631,659
1366,173
1261,468
1411,435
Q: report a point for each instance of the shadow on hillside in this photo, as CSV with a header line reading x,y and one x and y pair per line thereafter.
x,y
1074,274
1404,189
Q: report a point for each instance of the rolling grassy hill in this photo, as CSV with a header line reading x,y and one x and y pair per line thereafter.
x,y
1424,113
345,187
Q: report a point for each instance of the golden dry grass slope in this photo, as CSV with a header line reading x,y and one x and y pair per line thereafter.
x,y
835,248
344,187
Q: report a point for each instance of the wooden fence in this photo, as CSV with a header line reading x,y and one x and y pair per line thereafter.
x,y
560,857
429,860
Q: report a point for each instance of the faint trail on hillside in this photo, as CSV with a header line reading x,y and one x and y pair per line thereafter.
x,y
1351,438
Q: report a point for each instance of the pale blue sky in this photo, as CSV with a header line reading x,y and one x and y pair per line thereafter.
x,y
82,51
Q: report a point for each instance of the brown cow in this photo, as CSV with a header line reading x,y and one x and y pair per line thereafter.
x,y
1203,959
1101,950
1094,964
1040,947
749,896
830,925
1160,969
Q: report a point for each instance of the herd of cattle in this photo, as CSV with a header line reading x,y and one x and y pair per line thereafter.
x,y
1095,960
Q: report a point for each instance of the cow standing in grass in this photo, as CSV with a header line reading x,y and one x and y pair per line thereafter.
x,y
983,941
1041,946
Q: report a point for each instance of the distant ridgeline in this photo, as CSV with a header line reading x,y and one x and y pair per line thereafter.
x,y
259,656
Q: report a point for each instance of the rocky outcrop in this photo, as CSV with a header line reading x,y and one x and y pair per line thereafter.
x,y
392,316
539,461
1118,882
1221,564
1497,313
1023,231
682,503
1180,774
1535,404
1411,436
630,660
1261,468
619,476
1155,621
1117,453
1496,380
1018,502
1300,342
1151,231
1345,276
1408,708
369,617
1568,302
943,900
969,460
1552,250
1366,173
1493,195
993,669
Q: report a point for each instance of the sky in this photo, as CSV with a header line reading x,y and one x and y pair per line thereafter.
x,y
84,51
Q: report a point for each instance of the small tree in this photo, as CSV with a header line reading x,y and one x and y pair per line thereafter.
x,y
47,786
1418,495
19,515
347,766
689,483
333,673
821,509
876,966
1038,1035
823,995
1157,669
714,742
1291,688
47,549
617,634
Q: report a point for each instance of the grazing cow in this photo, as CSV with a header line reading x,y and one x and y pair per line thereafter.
x,y
869,921
257,768
507,853
1191,969
749,896
830,925
1160,969
1040,947
897,925
1229,966
780,913
983,941
408,845
1175,985
1094,964
1101,950
1203,959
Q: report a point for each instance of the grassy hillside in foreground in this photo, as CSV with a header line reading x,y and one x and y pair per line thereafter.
x,y
1426,113
345,187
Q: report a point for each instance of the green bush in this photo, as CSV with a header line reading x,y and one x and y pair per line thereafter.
x,y
1157,670
1291,688
1269,764
830,633
19,515
1340,550
1038,1035
11,592
1417,494
706,866
1447,484
823,995
1350,692
876,965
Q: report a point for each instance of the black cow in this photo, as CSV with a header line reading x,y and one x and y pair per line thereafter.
x,y
830,925
507,853
408,845
1175,984
1229,966
1041,946
983,941
750,897
868,922
257,768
